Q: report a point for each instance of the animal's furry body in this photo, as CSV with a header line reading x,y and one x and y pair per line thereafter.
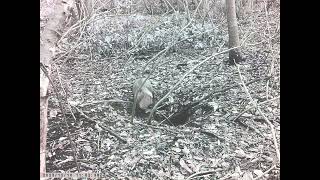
x,y
144,96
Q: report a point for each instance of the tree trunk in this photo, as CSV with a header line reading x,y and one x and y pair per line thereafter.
x,y
234,55
47,45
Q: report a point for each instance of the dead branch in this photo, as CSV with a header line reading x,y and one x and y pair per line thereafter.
x,y
68,104
202,173
64,116
101,125
246,110
212,135
272,167
113,133
157,127
105,101
261,113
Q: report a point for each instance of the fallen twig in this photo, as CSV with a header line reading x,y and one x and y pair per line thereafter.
x,y
270,48
113,133
261,113
203,173
68,104
102,126
251,128
265,173
73,147
261,103
105,101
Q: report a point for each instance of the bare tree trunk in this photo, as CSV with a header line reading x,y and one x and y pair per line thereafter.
x,y
234,55
47,45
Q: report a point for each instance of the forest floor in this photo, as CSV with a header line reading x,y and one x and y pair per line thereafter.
x,y
98,63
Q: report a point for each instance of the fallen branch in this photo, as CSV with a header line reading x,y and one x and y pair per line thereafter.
x,y
102,126
64,116
68,104
105,101
261,113
113,133
261,103
270,48
265,173
203,173
212,135
217,93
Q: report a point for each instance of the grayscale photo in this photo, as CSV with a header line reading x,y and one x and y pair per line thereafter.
x,y
160,89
